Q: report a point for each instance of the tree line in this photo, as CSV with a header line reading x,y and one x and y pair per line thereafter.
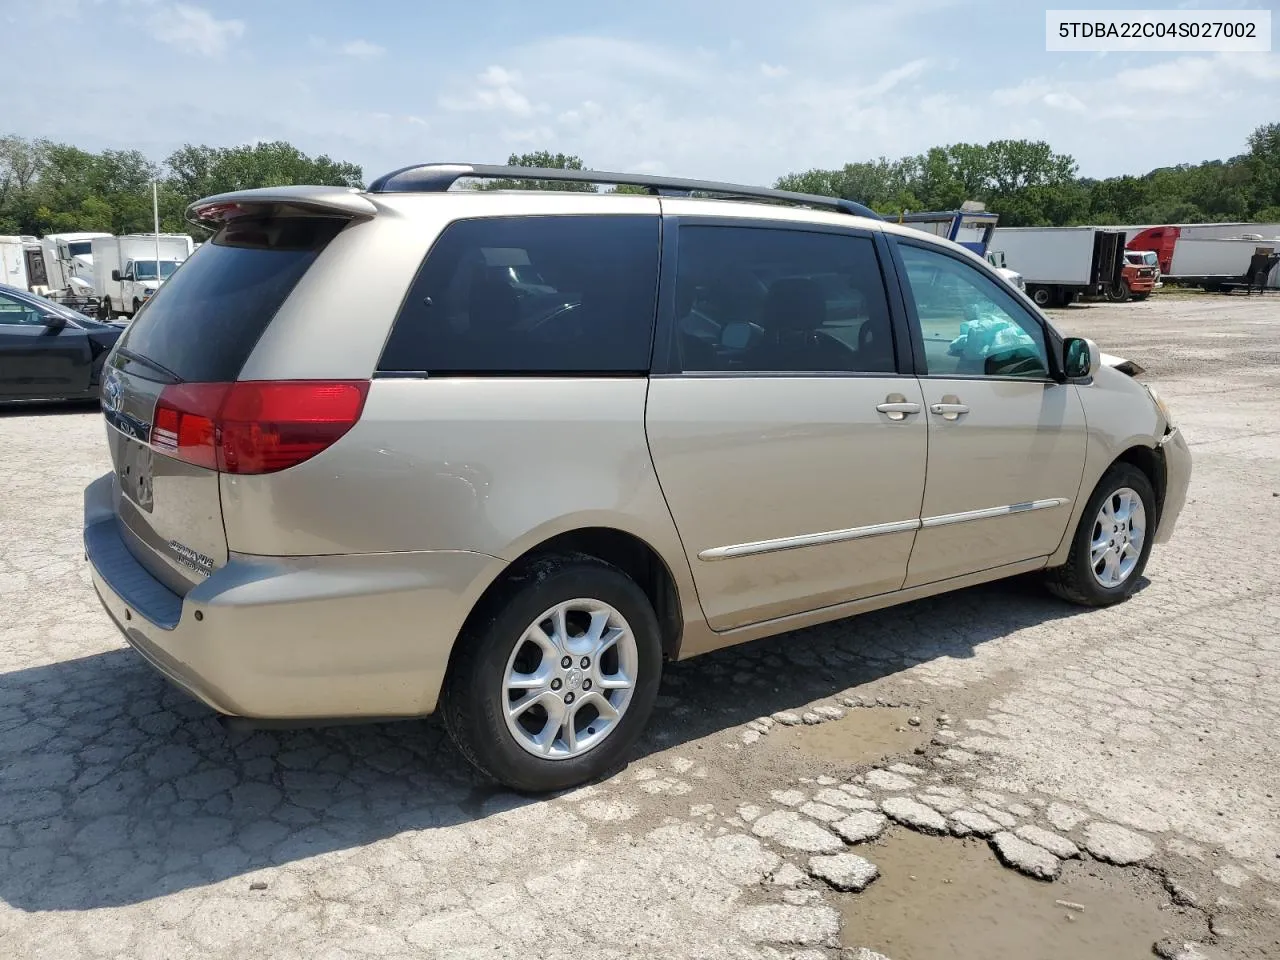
x,y
1029,184
48,187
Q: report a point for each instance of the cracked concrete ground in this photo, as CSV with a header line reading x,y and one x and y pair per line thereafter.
x,y
133,826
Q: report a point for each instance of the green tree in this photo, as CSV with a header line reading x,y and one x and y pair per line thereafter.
x,y
1263,163
545,160
200,171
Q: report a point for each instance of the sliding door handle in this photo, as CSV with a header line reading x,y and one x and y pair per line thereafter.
x,y
949,411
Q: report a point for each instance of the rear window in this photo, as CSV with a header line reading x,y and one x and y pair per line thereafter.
x,y
532,295
203,323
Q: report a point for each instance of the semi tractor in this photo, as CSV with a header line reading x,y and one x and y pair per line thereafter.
x,y
68,263
1208,255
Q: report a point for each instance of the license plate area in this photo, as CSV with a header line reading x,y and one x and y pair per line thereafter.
x,y
135,474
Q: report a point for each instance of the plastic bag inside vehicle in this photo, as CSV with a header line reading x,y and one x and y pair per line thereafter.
x,y
984,334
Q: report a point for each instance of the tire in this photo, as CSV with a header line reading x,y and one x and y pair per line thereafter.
x,y
1118,292
106,308
1077,580
137,305
1042,296
495,640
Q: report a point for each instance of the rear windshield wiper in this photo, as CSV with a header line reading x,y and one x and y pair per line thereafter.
x,y
146,362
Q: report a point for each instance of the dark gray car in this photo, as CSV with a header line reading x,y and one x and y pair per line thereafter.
x,y
48,351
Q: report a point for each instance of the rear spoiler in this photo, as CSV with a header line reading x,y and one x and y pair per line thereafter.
x,y
346,202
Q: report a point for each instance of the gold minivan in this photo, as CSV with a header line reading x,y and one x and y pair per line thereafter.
x,y
502,453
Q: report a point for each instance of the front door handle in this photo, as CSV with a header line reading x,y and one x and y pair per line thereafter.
x,y
950,408
896,407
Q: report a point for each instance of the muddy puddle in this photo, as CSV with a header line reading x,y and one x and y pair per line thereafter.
x,y
941,897
863,735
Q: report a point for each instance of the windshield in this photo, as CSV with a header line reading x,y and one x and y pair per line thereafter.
x,y
146,269
81,248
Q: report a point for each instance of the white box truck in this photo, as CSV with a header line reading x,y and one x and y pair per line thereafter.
x,y
68,262
126,271
1060,263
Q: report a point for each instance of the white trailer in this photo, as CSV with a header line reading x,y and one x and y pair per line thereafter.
x,y
68,262
1060,263
1201,231
13,262
126,271
1212,262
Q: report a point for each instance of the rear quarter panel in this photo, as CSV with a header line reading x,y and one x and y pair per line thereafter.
x,y
491,465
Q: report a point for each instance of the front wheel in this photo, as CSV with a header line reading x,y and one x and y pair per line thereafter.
x,y
137,305
1110,547
1118,292
555,676
107,313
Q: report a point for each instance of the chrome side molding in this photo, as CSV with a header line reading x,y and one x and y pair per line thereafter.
x,y
874,530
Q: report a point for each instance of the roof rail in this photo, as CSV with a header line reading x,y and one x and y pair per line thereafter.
x,y
439,177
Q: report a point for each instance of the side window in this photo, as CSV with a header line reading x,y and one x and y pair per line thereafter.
x,y
970,326
532,295
768,300
15,312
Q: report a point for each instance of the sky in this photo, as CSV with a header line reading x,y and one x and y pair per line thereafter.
x,y
740,91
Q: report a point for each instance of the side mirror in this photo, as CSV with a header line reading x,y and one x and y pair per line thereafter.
x,y
53,322
115,275
1080,358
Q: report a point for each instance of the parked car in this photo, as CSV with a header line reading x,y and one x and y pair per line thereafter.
x,y
511,508
48,351
1012,277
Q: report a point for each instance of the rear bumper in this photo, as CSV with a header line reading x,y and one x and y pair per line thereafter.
x,y
293,638
1177,465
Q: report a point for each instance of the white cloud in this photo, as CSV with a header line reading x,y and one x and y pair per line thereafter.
x,y
887,81
1065,101
495,90
1171,78
772,71
193,28
357,49
362,49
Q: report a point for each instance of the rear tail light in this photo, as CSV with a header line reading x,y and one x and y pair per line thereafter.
x,y
254,426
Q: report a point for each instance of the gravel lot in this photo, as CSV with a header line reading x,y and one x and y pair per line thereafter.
x,y
133,826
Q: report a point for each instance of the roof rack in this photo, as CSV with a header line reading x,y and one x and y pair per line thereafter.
x,y
439,177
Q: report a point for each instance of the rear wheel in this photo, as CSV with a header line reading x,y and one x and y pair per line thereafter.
x,y
1043,296
1110,547
555,677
